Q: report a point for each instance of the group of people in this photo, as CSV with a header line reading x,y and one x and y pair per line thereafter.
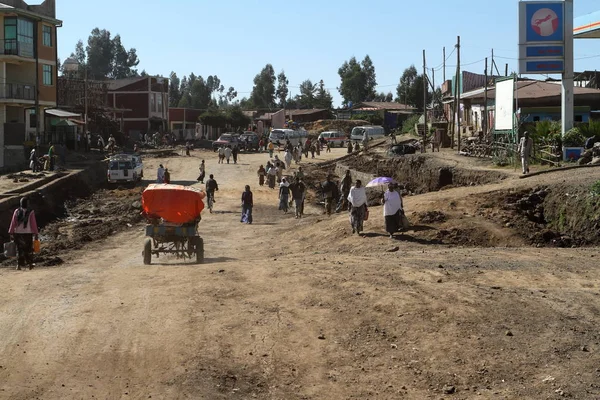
x,y
163,175
227,152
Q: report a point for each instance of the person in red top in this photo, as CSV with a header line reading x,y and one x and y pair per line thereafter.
x,y
23,230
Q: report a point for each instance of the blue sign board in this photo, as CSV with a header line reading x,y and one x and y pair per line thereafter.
x,y
545,51
544,66
545,22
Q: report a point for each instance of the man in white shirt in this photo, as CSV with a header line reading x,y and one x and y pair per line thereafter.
x,y
227,153
524,149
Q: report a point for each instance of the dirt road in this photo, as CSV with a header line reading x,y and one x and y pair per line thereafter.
x,y
301,309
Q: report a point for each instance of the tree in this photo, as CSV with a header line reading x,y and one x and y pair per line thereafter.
x,y
306,98
263,93
358,80
323,98
174,90
106,57
282,89
381,96
410,89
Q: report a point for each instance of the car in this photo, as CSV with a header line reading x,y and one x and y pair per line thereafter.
x,y
336,138
125,168
226,139
249,141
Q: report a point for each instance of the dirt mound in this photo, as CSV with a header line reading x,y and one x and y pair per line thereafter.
x,y
25,176
431,217
105,213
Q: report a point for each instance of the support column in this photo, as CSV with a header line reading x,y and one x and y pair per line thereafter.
x,y
567,97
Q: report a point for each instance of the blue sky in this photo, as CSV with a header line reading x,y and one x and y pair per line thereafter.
x,y
309,39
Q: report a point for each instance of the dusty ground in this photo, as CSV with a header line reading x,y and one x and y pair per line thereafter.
x,y
288,309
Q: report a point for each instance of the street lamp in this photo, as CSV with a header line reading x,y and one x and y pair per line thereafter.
x,y
72,65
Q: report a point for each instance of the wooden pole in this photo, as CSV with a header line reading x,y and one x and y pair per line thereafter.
x,y
484,120
457,89
506,69
444,63
425,90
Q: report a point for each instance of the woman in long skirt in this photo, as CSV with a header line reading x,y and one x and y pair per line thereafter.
x,y
284,195
392,209
358,209
271,177
261,175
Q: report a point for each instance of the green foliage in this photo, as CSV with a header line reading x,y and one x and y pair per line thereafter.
x,y
358,80
174,90
408,126
233,117
106,57
282,89
195,92
410,89
590,129
263,93
323,98
595,189
545,132
374,119
573,138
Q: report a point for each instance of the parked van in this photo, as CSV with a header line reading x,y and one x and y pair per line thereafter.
x,y
125,168
372,132
280,136
336,138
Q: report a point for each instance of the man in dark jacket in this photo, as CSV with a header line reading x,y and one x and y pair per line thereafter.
x,y
330,193
345,187
247,204
298,189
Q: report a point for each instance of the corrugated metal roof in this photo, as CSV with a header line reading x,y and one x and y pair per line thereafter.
x,y
531,90
307,112
62,113
121,83
384,105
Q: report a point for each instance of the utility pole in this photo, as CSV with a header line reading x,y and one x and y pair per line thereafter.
x,y
425,89
494,64
506,69
458,80
85,96
444,63
484,119
567,98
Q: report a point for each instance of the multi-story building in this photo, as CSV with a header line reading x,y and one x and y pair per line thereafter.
x,y
28,74
147,100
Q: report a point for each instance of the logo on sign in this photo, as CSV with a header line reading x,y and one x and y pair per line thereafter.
x,y
545,22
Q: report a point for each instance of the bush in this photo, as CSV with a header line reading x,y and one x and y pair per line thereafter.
x,y
573,138
374,119
408,126
590,129
595,189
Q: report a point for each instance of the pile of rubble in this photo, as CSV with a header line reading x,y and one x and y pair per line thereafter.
x,y
591,156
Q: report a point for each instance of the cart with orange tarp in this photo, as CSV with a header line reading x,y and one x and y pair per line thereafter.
x,y
173,213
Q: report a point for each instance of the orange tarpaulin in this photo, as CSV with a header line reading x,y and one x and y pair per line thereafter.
x,y
173,203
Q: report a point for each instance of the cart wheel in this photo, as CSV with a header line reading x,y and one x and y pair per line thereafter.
x,y
147,252
199,250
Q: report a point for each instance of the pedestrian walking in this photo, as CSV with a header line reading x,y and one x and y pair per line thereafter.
x,y
392,210
288,157
284,195
345,187
160,174
349,147
271,176
298,188
167,177
247,204
228,153
202,172
358,202
261,175
329,194
524,149
24,230
234,153
221,154
271,148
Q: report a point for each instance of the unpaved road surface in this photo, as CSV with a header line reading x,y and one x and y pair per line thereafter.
x,y
302,309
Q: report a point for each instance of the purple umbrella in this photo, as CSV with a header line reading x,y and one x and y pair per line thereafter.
x,y
381,181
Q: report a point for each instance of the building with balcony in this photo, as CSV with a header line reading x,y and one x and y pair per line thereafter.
x,y
28,75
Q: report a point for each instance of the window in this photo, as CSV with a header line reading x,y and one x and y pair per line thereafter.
x,y
579,118
47,35
159,103
47,75
152,102
18,37
32,119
